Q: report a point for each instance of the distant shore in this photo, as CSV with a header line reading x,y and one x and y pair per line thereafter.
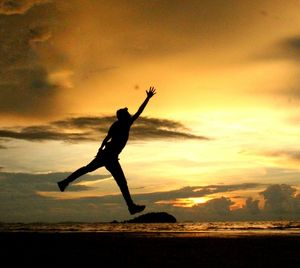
x,y
147,250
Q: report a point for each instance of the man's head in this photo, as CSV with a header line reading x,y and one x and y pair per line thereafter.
x,y
123,114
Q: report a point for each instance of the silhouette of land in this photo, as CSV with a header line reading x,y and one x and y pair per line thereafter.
x,y
154,217
29,249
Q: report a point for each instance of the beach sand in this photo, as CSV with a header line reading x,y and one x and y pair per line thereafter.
x,y
147,250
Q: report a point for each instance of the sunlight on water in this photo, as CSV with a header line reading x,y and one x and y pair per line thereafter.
x,y
210,228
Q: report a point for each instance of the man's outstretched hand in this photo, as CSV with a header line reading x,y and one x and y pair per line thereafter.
x,y
151,92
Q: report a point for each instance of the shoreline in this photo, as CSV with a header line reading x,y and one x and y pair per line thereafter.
x,y
45,249
157,234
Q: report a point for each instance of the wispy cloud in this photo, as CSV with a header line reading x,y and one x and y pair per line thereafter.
x,y
12,7
42,133
287,154
287,48
92,128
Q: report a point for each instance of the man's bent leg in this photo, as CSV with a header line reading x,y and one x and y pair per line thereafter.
x,y
116,171
93,165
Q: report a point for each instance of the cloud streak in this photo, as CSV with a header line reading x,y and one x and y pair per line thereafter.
x,y
27,197
2,147
198,191
93,128
12,7
293,155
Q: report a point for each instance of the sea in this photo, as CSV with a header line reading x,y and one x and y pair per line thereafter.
x,y
172,229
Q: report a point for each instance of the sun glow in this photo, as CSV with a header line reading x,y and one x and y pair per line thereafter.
x,y
185,202
194,201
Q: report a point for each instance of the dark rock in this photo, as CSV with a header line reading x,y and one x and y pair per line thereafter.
x,y
154,217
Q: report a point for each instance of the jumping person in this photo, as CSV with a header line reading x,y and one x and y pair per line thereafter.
x,y
109,151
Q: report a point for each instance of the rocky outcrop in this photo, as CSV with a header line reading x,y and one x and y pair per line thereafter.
x,y
154,217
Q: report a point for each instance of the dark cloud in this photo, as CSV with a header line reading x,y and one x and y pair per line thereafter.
x,y
41,134
20,200
153,128
220,206
94,128
27,183
251,206
281,202
279,198
196,191
11,7
25,88
290,48
85,122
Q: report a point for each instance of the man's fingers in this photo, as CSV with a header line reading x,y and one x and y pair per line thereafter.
x,y
151,91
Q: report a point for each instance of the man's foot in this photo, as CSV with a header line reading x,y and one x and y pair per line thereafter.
x,y
136,209
62,185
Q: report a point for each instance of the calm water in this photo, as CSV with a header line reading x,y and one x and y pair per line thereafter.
x,y
212,228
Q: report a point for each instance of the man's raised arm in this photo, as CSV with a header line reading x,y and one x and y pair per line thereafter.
x,y
150,94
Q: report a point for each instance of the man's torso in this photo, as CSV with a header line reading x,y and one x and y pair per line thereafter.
x,y
119,132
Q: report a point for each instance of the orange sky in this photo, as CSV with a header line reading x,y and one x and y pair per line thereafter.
x,y
224,70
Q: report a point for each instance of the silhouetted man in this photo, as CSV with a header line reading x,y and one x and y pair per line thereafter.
x,y
109,151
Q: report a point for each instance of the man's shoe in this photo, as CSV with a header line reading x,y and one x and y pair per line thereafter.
x,y
62,185
136,209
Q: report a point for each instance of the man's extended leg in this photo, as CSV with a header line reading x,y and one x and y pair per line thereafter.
x,y
93,165
116,171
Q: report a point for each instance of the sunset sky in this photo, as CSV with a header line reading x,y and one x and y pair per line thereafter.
x,y
219,140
